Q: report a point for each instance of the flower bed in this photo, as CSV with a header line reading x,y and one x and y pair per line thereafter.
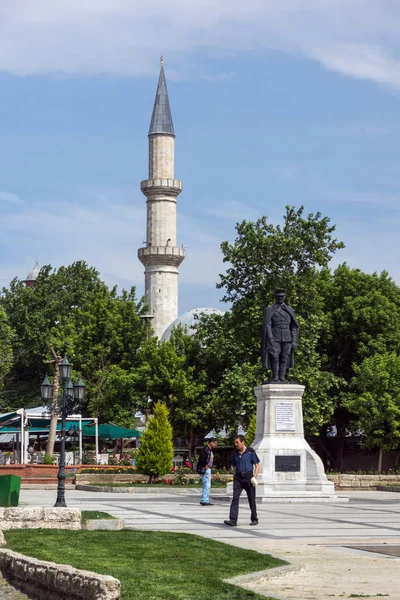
x,y
92,476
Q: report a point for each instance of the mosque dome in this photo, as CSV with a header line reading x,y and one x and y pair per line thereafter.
x,y
33,274
189,319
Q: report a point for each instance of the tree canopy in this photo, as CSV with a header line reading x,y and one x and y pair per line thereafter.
x,y
6,353
261,258
74,311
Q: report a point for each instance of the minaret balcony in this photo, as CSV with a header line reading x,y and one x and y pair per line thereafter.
x,y
170,187
161,255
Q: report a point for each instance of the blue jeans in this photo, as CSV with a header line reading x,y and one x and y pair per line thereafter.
x,y
206,479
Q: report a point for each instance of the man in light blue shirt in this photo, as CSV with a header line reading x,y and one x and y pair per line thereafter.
x,y
204,467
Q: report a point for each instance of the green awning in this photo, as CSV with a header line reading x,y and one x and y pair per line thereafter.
x,y
10,416
110,431
41,426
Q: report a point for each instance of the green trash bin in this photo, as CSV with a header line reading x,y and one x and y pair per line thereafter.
x,y
9,490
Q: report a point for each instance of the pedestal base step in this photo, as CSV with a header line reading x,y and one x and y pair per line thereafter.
x,y
279,497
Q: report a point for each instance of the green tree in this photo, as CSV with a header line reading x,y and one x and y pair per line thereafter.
x,y
375,402
174,372
6,354
261,258
362,320
154,457
251,430
70,310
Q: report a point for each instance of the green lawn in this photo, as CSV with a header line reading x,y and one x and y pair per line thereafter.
x,y
150,565
95,514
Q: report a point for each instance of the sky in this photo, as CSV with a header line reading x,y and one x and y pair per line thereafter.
x,y
274,102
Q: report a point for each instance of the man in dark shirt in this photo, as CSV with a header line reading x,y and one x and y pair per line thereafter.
x,y
245,465
204,467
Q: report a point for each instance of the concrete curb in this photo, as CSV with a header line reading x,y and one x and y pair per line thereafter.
x,y
104,524
247,581
257,576
51,581
170,490
388,488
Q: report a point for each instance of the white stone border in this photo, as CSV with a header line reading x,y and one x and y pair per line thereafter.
x,y
50,581
35,517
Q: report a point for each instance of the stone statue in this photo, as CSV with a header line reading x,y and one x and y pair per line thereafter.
x,y
279,337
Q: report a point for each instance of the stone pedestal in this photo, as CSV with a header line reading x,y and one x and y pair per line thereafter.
x,y
290,470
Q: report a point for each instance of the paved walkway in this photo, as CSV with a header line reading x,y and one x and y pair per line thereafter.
x,y
315,536
8,592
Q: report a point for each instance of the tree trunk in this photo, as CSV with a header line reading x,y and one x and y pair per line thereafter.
x,y
380,460
396,460
327,455
341,442
340,453
190,444
54,404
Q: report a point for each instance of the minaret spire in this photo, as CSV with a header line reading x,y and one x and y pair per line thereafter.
x,y
161,119
161,256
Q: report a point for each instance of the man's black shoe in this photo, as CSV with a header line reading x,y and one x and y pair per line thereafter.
x,y
230,523
255,522
206,504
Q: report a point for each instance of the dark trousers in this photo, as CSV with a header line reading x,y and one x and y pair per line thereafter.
x,y
279,354
242,482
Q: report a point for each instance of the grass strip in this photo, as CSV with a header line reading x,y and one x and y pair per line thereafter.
x,y
150,565
87,515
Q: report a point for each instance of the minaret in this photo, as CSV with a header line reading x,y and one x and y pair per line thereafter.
x,y
160,255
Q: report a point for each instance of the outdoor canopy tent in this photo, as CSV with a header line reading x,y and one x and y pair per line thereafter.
x,y
37,420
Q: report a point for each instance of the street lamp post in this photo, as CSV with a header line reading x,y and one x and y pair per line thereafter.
x,y
71,394
73,432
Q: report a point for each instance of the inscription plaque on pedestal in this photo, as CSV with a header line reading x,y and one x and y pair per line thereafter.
x,y
287,464
284,417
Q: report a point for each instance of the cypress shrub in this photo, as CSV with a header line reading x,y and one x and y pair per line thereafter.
x,y
154,457
251,431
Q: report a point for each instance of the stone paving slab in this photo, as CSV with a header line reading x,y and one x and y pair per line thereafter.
x,y
312,537
8,592
380,549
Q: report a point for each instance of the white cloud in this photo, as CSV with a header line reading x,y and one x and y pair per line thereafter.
x,y
106,233
233,210
372,198
10,198
359,38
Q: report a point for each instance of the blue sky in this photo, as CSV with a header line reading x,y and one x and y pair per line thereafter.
x,y
274,102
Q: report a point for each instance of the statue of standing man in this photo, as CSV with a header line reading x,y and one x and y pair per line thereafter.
x,y
279,337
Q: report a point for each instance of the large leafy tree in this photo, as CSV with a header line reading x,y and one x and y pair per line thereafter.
x,y
262,257
362,320
375,401
175,372
72,311
6,354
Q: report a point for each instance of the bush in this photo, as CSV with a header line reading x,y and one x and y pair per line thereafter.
x,y
154,457
89,459
48,459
